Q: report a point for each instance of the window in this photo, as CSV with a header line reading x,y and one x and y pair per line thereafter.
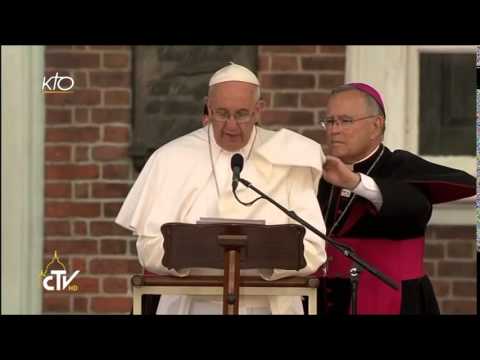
x,y
447,104
440,124
413,81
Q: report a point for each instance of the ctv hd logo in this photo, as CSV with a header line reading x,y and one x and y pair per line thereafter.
x,y
54,277
58,84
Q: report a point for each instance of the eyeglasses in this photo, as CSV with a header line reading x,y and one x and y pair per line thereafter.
x,y
341,121
241,116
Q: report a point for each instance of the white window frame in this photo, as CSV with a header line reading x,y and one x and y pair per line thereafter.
x,y
394,71
465,163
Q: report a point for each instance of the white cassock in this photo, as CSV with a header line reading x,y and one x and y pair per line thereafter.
x,y
177,184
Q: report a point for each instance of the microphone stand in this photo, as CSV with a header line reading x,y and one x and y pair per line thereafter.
x,y
358,263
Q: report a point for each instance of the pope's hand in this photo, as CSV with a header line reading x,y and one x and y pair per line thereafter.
x,y
337,173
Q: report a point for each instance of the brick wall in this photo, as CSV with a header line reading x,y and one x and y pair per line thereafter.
x,y
88,172
87,176
450,261
295,83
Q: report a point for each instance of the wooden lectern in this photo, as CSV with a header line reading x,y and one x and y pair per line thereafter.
x,y
230,246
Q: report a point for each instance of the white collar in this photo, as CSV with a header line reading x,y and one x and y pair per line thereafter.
x,y
366,157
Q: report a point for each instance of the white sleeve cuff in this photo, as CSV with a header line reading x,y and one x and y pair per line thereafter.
x,y
368,189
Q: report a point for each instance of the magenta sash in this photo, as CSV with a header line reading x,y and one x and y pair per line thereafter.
x,y
399,259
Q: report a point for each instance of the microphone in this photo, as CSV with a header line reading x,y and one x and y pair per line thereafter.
x,y
237,165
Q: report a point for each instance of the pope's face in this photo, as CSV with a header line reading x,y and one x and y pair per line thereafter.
x,y
233,109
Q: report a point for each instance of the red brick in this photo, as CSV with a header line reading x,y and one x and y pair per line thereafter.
x,y
266,97
134,267
66,247
430,232
287,81
105,153
113,246
79,264
332,49
285,100
459,307
303,49
71,209
115,266
80,78
107,79
461,232
82,153
321,114
284,63
56,303
116,134
112,304
317,135
434,251
55,228
111,209
263,63
58,116
314,99
430,268
109,115
115,60
285,117
108,266
441,287
58,190
117,97
58,153
80,304
323,63
82,191
72,60
71,172
461,249
73,134
115,285
115,171
110,190
330,81
77,97
80,228
465,288
457,269
109,47
107,228
54,48
81,115
87,284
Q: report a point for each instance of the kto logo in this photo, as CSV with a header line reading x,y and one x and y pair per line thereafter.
x,y
57,84
56,279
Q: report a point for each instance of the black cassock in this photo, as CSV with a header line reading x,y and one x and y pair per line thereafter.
x,y
391,239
